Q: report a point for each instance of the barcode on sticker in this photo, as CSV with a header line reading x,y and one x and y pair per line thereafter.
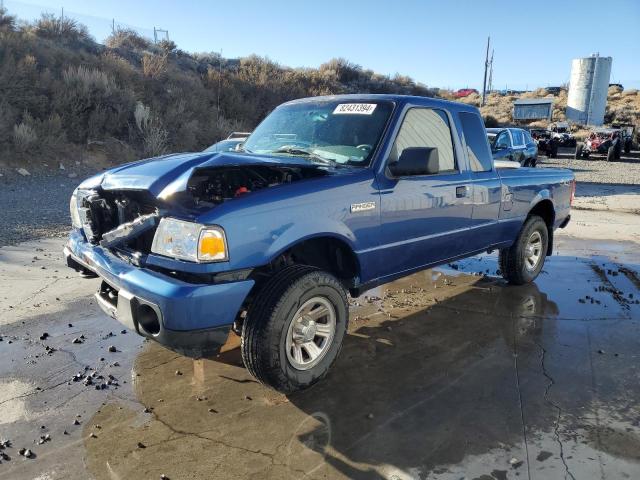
x,y
355,108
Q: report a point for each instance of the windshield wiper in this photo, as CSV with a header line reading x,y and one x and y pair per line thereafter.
x,y
307,153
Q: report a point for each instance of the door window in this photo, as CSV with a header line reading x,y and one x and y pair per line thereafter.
x,y
518,138
503,140
426,127
477,145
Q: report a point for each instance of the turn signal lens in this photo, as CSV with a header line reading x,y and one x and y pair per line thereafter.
x,y
211,246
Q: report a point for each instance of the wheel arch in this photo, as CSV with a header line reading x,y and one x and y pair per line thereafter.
x,y
545,209
325,250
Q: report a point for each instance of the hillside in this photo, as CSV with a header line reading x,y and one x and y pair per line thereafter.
x,y
64,96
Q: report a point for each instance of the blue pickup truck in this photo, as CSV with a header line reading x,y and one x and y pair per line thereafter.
x,y
328,195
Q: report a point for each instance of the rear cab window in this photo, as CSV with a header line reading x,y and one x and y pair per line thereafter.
x,y
426,127
478,151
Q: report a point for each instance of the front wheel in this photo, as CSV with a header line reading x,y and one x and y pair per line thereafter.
x,y
294,330
522,262
579,150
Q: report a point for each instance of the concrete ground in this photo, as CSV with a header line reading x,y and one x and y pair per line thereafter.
x,y
446,374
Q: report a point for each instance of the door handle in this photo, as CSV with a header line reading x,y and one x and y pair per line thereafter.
x,y
462,192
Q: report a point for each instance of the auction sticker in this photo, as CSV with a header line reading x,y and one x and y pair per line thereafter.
x,y
355,108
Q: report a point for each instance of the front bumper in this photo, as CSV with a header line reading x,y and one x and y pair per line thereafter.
x,y
192,319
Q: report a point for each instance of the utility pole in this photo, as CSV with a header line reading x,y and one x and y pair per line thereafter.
x,y
490,82
219,86
113,26
486,66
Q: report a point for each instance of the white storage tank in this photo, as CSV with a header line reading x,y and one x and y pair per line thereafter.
x,y
588,89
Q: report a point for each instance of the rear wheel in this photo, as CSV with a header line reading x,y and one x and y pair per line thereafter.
x,y
294,330
611,154
522,262
579,150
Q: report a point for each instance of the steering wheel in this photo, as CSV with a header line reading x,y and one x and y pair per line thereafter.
x,y
365,146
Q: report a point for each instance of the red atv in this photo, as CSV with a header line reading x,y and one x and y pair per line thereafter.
x,y
603,141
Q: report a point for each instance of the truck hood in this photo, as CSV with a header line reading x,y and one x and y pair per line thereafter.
x,y
162,176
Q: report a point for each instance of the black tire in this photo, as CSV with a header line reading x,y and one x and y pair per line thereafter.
x,y
554,152
578,154
627,147
513,260
265,330
611,154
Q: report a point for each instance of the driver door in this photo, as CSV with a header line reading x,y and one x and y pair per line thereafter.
x,y
424,217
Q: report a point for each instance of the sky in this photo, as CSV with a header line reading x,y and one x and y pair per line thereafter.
x,y
438,43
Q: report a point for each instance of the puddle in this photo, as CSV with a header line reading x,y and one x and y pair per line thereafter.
x,y
442,374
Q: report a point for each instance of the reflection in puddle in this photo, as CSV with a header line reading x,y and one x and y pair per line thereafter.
x,y
426,381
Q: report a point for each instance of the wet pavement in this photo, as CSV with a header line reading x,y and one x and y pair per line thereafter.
x,y
446,374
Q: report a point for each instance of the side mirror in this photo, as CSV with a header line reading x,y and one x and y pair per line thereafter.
x,y
416,161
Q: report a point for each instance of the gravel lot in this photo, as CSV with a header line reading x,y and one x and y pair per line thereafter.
x,y
597,169
37,205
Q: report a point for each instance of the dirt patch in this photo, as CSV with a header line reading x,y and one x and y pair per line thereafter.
x,y
617,442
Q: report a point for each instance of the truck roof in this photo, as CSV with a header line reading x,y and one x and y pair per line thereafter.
x,y
398,99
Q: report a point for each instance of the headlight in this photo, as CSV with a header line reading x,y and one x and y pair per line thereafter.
x,y
74,206
190,241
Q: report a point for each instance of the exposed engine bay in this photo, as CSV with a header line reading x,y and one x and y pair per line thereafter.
x,y
129,218
213,186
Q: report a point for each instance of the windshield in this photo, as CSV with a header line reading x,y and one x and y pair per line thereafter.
x,y
224,146
331,132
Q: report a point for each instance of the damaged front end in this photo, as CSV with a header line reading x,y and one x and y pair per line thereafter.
x,y
125,220
122,221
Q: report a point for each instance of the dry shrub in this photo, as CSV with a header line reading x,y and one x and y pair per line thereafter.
x,y
167,45
87,79
154,66
142,115
127,39
24,137
62,29
155,138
